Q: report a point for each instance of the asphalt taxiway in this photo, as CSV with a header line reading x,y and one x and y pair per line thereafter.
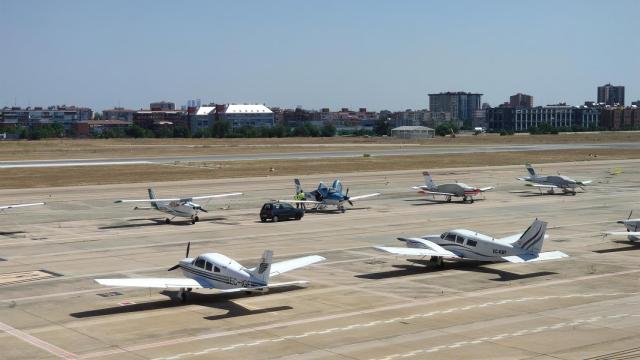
x,y
359,304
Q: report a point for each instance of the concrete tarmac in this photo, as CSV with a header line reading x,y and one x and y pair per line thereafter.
x,y
359,304
409,150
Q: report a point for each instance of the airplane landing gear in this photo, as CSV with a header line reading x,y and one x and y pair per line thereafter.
x,y
182,294
437,261
342,209
448,198
167,221
196,218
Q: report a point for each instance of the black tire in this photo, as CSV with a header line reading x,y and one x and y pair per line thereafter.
x,y
298,217
167,221
275,218
263,220
196,218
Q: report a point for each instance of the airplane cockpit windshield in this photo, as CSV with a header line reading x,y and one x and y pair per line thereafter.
x,y
199,262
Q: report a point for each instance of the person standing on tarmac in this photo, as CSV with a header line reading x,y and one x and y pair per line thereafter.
x,y
300,197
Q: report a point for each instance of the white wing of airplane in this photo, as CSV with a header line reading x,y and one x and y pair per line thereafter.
x,y
623,233
288,265
585,182
3,207
180,199
429,192
360,197
300,202
549,255
542,186
433,250
163,283
486,188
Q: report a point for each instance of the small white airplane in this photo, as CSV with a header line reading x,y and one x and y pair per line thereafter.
x,y
461,244
216,271
6,207
633,228
450,190
552,182
177,207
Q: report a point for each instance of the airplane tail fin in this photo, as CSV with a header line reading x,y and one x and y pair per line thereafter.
x,y
428,180
263,270
298,186
533,237
530,169
152,195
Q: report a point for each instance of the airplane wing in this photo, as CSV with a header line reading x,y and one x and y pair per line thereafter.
x,y
211,196
404,251
288,265
427,192
146,200
542,186
163,283
301,202
3,207
585,182
623,233
486,188
270,286
549,255
360,197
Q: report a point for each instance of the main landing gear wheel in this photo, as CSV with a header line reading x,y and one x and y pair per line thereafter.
x,y
448,198
342,209
437,261
182,295
196,218
167,221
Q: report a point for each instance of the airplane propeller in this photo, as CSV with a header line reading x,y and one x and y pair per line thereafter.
x,y
346,197
186,256
629,217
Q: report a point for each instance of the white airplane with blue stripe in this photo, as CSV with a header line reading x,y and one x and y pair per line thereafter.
x,y
217,271
176,207
462,244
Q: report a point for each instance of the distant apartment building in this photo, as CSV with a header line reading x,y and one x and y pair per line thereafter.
x,y
34,116
461,105
162,106
620,118
94,127
150,119
119,113
202,119
437,118
346,119
611,95
558,116
521,101
255,115
412,117
299,116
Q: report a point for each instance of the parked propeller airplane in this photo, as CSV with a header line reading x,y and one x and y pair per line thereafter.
x,y
461,244
325,196
6,207
182,207
450,190
552,182
216,271
633,228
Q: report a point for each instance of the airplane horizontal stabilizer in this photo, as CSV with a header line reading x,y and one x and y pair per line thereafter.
x,y
549,255
623,233
404,251
163,283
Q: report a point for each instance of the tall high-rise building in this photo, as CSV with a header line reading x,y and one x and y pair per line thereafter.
x,y
611,95
461,105
521,101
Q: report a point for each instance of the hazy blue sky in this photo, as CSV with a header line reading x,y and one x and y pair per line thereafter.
x,y
374,54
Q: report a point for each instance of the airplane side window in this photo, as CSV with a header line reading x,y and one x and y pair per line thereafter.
x,y
216,269
200,262
208,266
472,242
459,240
451,237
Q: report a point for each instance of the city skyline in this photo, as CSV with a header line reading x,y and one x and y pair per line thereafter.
x,y
341,54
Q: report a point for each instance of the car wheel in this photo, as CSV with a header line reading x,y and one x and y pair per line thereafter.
x,y
275,218
263,219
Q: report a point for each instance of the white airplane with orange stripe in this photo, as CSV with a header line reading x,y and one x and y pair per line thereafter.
x,y
217,271
462,244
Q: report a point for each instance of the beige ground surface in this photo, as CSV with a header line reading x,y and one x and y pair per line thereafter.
x,y
117,174
360,304
112,148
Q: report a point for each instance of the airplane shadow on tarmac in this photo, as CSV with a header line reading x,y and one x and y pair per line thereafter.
x,y
423,202
217,301
161,221
633,245
472,266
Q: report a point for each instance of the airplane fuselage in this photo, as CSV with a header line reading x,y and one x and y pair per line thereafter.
x,y
470,245
218,271
563,182
175,208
